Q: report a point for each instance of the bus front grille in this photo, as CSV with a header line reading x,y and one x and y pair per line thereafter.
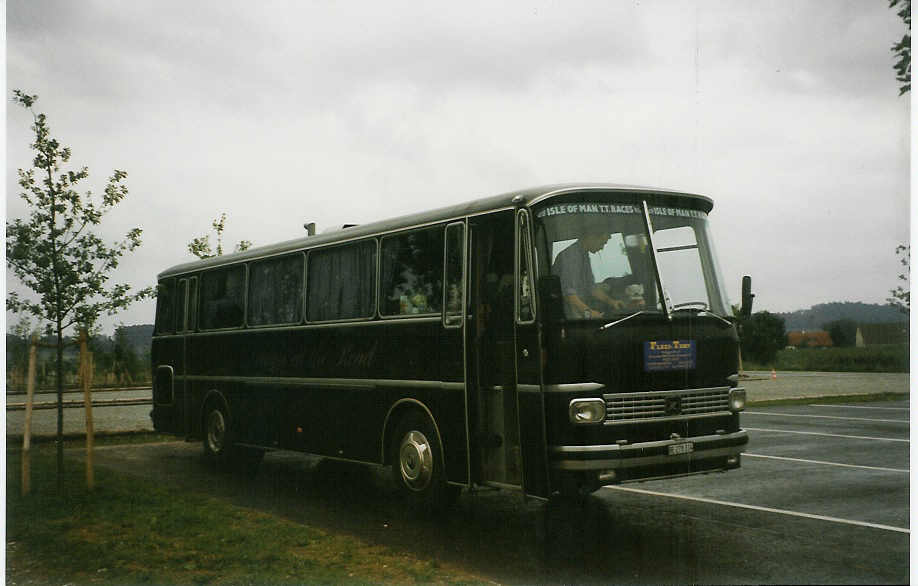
x,y
655,405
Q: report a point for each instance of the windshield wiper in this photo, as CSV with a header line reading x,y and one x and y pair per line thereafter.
x,y
612,324
703,304
698,310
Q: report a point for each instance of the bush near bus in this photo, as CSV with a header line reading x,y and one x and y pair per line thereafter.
x,y
761,336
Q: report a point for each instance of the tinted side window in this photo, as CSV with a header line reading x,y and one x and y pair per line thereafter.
x,y
342,282
222,294
276,291
412,273
165,306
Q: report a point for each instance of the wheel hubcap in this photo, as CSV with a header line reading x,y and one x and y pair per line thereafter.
x,y
216,431
415,460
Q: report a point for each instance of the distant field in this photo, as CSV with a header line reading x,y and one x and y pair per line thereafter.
x,y
882,358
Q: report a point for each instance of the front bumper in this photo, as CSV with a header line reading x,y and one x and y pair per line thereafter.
x,y
708,452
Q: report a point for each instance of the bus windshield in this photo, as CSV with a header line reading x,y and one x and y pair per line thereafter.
x,y
600,251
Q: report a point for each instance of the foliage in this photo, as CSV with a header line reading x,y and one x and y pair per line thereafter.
x,y
54,251
762,335
903,49
901,298
119,360
200,247
882,358
843,332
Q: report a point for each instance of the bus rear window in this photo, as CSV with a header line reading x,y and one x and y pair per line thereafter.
x,y
165,307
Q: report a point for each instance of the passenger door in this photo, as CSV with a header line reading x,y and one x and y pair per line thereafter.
x,y
492,349
452,353
530,405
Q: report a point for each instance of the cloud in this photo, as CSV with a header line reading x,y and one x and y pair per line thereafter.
x,y
786,113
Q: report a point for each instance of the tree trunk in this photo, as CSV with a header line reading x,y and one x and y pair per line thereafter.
x,y
60,409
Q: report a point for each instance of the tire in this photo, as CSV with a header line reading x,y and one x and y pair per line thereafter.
x,y
417,464
217,433
219,443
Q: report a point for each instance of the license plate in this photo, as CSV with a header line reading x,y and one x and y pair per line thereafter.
x,y
686,448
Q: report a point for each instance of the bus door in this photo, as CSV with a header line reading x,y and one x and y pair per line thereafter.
x,y
187,302
493,409
530,404
452,363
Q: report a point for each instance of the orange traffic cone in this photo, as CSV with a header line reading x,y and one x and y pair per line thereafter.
x,y
774,375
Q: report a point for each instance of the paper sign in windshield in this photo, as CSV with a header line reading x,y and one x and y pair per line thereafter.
x,y
669,355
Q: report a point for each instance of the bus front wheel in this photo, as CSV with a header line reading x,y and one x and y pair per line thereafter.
x,y
417,464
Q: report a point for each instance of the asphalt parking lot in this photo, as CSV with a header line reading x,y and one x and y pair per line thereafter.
x,y
831,479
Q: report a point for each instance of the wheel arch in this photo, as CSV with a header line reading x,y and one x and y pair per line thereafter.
x,y
213,395
396,412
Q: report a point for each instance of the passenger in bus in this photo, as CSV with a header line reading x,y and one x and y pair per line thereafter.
x,y
582,295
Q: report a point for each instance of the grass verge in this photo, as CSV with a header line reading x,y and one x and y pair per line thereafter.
x,y
78,440
883,358
128,531
838,399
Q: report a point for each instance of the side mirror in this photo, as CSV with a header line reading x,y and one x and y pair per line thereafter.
x,y
550,297
748,295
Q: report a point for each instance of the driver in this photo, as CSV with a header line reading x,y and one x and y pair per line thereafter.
x,y
581,293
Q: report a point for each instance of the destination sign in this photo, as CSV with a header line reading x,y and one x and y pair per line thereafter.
x,y
669,355
616,209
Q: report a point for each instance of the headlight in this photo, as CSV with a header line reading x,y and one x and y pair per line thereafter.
x,y
737,400
587,411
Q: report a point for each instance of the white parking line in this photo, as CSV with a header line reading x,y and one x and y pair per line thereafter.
x,y
763,509
880,439
748,455
825,417
862,407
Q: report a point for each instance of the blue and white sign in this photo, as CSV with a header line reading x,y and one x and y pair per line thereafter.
x,y
669,355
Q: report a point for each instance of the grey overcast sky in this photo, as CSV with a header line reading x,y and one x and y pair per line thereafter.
x,y
786,113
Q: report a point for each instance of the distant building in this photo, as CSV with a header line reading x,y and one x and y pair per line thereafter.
x,y
879,334
809,339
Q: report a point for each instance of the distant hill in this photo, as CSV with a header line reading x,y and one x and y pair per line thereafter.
x,y
818,315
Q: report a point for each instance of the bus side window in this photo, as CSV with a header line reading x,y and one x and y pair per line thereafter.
x,y
411,280
222,298
453,270
524,305
276,291
342,282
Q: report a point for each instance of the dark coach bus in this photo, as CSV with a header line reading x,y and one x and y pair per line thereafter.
x,y
550,340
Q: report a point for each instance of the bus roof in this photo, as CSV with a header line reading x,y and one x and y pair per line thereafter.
x,y
505,200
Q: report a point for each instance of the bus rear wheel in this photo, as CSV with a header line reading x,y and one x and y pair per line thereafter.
x,y
216,433
417,464
219,447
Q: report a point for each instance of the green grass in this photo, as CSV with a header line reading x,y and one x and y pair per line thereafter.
x,y
833,400
129,531
78,440
885,358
